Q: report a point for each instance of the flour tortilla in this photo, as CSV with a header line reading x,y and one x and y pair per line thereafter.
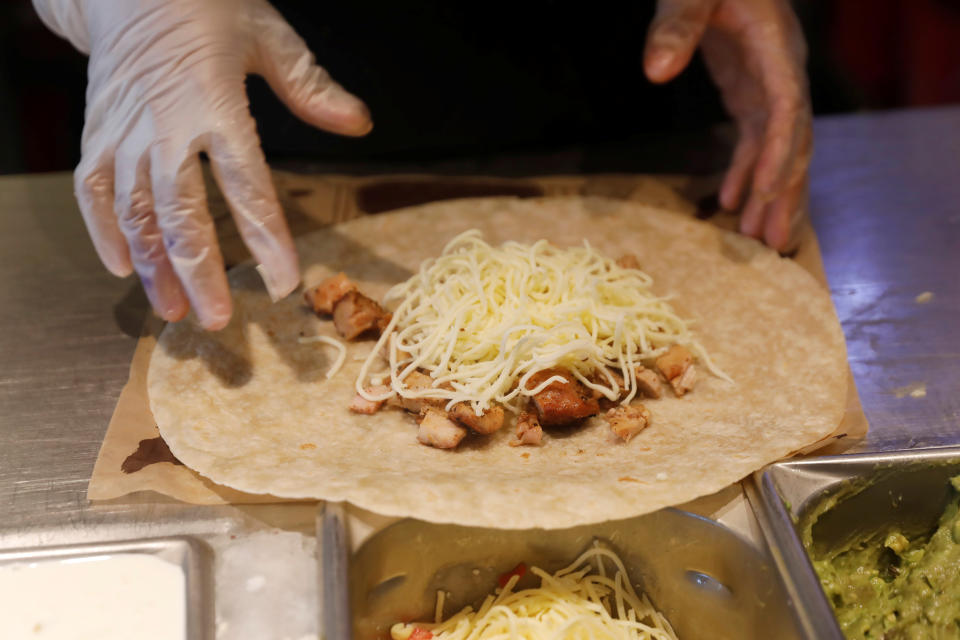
x,y
249,407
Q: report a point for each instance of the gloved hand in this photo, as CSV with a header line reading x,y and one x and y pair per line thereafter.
x,y
755,52
166,82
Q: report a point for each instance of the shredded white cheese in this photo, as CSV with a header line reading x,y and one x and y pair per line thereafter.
x,y
482,320
333,342
575,602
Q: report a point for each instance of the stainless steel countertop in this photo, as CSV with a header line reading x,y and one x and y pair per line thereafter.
x,y
885,199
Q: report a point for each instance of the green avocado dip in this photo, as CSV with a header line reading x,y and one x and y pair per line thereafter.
x,y
894,588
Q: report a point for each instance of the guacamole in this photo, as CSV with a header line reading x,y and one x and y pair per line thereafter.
x,y
892,587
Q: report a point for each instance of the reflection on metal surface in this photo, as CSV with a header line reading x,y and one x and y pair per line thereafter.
x,y
709,584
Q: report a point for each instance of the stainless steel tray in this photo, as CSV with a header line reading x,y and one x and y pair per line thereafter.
x,y
846,497
190,554
708,581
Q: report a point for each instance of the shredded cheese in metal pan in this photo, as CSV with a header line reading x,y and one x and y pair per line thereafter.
x,y
482,320
572,604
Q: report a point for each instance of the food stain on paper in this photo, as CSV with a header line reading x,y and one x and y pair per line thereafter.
x,y
150,451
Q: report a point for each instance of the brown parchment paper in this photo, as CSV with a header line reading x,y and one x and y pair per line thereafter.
x,y
134,459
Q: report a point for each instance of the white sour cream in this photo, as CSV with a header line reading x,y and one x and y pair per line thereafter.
x,y
112,597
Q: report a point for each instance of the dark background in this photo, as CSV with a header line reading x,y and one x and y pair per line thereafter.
x,y
445,81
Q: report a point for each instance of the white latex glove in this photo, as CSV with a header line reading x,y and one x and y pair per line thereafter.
x,y
166,82
755,52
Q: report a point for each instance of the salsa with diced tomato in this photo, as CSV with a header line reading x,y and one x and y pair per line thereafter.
x,y
518,571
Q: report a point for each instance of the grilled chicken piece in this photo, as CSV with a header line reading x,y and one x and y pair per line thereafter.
x,y
561,403
368,407
676,365
437,430
674,362
616,378
529,431
647,382
489,422
627,421
417,381
684,382
324,297
355,314
628,261
603,402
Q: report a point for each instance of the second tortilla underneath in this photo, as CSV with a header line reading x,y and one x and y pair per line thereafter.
x,y
250,408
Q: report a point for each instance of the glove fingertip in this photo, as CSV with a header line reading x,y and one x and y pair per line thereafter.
x,y
169,310
174,314
339,111
775,237
167,298
365,129
121,270
777,227
115,256
279,282
751,220
729,196
216,316
657,65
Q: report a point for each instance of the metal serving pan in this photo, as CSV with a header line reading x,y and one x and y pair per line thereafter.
x,y
844,497
708,581
190,554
